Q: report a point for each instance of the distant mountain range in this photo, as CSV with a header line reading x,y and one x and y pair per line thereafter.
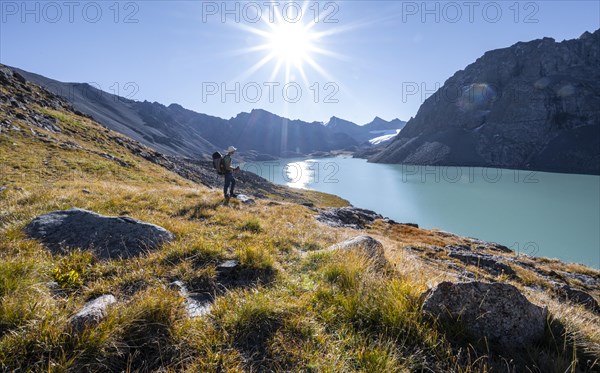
x,y
534,105
367,132
174,130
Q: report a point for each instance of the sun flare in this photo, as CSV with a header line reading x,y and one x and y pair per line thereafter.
x,y
290,43
291,48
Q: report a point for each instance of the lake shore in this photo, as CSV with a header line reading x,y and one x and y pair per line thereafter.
x,y
530,212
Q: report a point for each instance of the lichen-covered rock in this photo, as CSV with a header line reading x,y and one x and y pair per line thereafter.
x,y
481,245
92,313
367,246
497,313
106,236
351,217
577,296
490,263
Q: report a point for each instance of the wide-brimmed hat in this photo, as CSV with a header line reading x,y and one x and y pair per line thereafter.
x,y
231,149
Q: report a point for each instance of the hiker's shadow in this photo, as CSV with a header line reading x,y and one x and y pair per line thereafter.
x,y
201,211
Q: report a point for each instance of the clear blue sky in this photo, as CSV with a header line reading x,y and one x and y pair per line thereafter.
x,y
181,51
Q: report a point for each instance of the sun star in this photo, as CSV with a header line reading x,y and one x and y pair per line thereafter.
x,y
291,46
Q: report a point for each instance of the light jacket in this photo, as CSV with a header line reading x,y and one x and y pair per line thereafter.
x,y
227,163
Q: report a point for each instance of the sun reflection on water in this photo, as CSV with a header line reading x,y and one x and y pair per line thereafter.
x,y
301,174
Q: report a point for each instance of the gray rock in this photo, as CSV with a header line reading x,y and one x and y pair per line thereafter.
x,y
446,234
245,199
489,245
367,246
431,248
55,289
107,237
496,312
577,296
228,264
352,217
490,263
591,281
92,313
196,305
52,285
46,122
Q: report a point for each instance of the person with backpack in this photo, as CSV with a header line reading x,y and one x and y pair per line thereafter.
x,y
228,172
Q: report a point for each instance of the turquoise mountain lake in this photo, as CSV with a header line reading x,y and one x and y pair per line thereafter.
x,y
536,213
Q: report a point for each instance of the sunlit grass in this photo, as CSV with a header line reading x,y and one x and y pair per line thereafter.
x,y
289,306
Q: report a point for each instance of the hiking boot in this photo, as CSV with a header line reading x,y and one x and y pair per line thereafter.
x,y
233,195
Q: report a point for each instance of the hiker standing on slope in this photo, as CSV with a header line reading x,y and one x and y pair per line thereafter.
x,y
228,170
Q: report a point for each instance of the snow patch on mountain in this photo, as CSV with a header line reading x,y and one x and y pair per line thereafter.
x,y
384,136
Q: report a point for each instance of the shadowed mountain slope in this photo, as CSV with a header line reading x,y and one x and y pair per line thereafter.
x,y
534,105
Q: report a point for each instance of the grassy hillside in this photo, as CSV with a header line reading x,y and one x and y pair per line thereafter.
x,y
293,308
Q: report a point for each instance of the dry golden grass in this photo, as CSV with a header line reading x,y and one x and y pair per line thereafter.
x,y
299,308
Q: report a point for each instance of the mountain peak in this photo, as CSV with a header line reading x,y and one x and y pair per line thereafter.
x,y
465,131
336,121
380,124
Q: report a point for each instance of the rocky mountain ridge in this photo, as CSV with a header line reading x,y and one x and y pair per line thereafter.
x,y
176,131
534,105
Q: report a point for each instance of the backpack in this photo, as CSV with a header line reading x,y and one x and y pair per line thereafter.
x,y
218,163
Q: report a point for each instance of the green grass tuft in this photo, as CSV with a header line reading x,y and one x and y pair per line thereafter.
x,y
252,225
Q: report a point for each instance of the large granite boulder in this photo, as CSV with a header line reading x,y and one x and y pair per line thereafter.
x,y
106,236
365,245
534,105
497,313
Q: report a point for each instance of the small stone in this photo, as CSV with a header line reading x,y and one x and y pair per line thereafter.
x,y
228,264
413,225
92,313
446,234
196,305
489,263
179,286
489,245
245,199
577,296
52,285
